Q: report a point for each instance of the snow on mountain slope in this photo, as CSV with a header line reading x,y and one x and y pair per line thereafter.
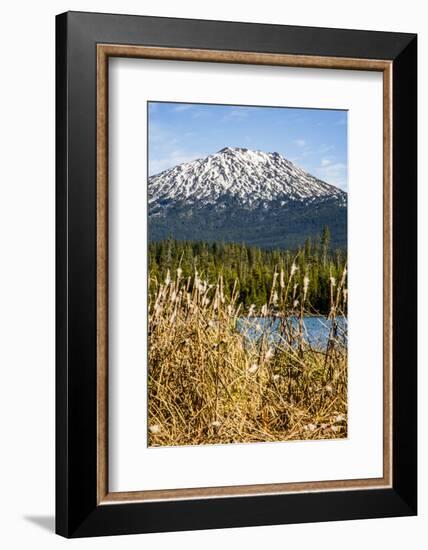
x,y
251,177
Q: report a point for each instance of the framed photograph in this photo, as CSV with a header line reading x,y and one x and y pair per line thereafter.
x,y
236,274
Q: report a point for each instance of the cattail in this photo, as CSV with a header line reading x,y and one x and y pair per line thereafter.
x,y
269,354
293,270
275,277
154,428
179,272
197,280
295,289
253,368
332,280
201,285
275,298
281,279
168,278
305,286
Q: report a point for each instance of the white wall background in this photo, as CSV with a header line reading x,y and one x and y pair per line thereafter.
x,y
27,272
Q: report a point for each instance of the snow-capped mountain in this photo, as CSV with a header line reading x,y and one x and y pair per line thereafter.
x,y
240,194
250,176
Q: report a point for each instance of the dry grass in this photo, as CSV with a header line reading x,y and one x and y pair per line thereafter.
x,y
212,383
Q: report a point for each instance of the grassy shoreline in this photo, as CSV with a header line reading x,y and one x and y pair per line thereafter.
x,y
208,385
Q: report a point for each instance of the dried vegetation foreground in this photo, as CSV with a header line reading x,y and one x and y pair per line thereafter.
x,y
218,374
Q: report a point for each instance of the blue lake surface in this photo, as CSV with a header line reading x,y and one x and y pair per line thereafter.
x,y
316,329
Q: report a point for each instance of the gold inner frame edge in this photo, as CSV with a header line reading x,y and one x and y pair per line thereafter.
x,y
104,51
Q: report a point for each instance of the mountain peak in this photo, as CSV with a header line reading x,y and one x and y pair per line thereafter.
x,y
233,150
238,194
243,150
251,177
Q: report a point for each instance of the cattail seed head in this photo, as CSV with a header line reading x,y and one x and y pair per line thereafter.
x,y
295,289
269,354
154,428
305,286
275,277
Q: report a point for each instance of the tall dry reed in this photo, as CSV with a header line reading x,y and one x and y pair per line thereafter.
x,y
218,374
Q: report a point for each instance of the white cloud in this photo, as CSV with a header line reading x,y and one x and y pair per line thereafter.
x,y
300,142
166,149
173,158
342,121
334,173
159,135
201,113
315,151
325,148
182,107
237,113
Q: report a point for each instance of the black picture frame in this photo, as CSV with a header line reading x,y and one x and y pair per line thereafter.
x,y
77,512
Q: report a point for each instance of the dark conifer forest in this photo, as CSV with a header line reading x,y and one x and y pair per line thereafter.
x,y
252,268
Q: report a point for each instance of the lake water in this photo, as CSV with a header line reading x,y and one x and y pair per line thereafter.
x,y
315,328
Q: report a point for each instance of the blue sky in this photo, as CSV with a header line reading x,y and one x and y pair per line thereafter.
x,y
314,139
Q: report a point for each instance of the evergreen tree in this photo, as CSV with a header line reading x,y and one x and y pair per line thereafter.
x,y
252,267
325,243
